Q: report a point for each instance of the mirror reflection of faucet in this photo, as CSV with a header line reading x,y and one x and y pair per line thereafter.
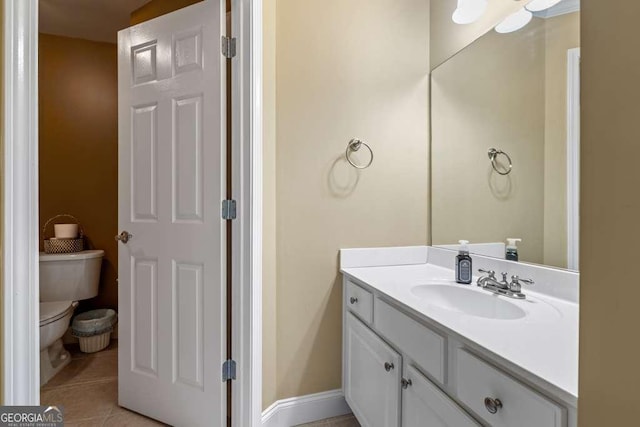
x,y
511,289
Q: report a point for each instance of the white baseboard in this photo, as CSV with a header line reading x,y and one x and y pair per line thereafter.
x,y
305,409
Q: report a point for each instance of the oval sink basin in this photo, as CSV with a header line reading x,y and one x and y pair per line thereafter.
x,y
467,301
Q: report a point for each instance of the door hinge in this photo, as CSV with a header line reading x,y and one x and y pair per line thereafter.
x,y
229,370
228,46
228,209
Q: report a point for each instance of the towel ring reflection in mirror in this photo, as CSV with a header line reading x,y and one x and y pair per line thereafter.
x,y
354,145
493,154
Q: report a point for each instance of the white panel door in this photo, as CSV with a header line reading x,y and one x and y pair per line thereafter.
x,y
372,376
423,404
172,295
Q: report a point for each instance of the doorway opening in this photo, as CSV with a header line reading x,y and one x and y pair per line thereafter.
x,y
72,133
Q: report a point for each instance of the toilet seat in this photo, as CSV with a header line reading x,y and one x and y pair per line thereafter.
x,y
52,311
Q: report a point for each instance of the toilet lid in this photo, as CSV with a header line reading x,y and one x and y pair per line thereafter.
x,y
51,311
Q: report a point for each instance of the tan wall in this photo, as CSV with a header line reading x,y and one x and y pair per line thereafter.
x,y
610,209
156,8
344,69
269,313
562,33
447,37
78,108
490,95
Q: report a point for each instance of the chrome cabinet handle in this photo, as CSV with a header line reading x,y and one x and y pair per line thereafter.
x,y
353,300
388,366
406,383
492,405
124,237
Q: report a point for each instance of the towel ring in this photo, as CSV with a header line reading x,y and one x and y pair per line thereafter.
x,y
354,145
493,154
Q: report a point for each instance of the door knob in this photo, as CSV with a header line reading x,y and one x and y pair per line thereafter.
x,y
406,383
124,237
388,366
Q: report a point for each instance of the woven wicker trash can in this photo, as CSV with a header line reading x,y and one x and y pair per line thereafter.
x,y
93,329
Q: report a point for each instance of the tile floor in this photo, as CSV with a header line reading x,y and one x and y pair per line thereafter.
x,y
87,388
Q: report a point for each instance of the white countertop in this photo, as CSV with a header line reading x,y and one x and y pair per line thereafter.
x,y
544,343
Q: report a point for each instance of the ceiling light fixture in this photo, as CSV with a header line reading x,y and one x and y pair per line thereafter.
x,y
514,21
539,5
469,11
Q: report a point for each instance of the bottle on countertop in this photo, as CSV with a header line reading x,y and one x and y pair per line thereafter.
x,y
512,249
463,264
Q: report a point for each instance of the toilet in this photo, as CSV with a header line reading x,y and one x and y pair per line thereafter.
x,y
65,279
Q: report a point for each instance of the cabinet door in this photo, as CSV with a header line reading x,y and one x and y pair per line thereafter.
x,y
423,404
372,389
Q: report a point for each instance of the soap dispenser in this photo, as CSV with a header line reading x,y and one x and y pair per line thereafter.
x,y
463,264
512,249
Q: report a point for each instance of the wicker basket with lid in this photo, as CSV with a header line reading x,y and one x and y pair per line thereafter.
x,y
62,246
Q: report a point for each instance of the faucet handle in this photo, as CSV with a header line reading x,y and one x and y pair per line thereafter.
x,y
516,283
516,279
491,273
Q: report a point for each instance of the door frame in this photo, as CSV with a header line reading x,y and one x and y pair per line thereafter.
x,y
19,232
20,227
573,158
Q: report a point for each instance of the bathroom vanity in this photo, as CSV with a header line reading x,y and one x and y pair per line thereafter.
x,y
422,350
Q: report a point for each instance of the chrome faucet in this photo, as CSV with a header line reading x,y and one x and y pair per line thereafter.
x,y
490,280
511,289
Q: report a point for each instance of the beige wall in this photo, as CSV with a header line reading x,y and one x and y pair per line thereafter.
x,y
490,95
447,37
269,314
610,209
562,33
344,69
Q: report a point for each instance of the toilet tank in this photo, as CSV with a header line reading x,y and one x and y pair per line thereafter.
x,y
70,277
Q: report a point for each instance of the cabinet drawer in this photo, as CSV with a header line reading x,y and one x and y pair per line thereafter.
x,y
424,346
521,406
423,404
359,301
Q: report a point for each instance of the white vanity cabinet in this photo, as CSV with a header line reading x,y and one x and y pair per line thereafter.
x,y
384,393
401,371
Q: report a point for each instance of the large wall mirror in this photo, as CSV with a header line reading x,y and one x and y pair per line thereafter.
x,y
505,142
